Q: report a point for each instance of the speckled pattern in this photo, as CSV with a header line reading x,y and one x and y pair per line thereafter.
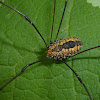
x,y
64,48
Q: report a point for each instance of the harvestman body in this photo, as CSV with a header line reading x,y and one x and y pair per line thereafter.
x,y
63,49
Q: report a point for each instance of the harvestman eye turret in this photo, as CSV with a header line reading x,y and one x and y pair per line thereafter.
x,y
59,50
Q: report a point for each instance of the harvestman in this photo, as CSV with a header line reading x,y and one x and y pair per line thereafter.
x,y
60,50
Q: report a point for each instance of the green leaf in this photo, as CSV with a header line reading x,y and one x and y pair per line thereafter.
x,y
94,2
20,45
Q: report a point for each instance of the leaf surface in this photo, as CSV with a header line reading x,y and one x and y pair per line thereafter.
x,y
20,45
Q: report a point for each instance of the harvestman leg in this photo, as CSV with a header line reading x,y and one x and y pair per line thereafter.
x,y
26,19
53,21
79,79
38,33
61,20
23,69
86,50
77,74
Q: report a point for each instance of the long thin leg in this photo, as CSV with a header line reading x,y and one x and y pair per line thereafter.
x,y
26,19
86,50
23,69
53,21
79,80
61,19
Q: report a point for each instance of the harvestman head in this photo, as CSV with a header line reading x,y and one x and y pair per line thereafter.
x,y
63,49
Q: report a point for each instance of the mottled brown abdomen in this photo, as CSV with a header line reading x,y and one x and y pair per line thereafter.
x,y
64,48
